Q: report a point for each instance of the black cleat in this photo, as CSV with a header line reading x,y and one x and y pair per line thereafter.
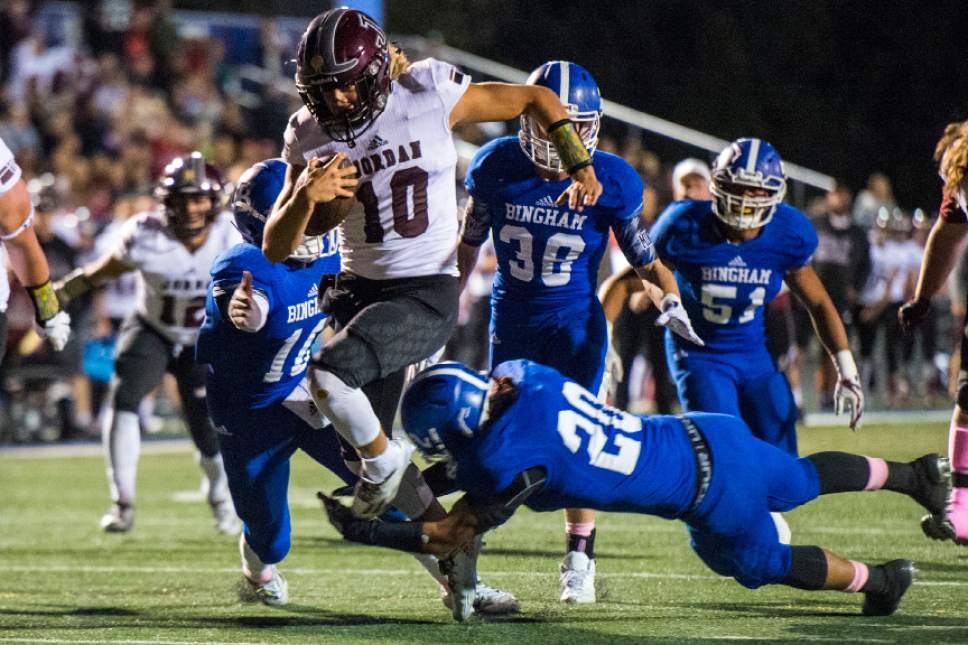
x,y
939,527
933,486
900,575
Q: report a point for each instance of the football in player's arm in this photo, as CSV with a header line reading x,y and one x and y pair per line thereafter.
x,y
398,250
26,256
706,470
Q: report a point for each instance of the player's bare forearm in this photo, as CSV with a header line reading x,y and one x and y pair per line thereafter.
x,y
505,101
940,254
813,296
657,274
466,261
286,226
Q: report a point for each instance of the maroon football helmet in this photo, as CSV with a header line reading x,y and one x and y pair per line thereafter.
x,y
342,48
184,177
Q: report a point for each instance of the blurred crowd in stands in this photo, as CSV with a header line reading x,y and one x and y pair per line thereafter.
x,y
93,117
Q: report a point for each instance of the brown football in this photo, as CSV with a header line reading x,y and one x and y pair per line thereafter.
x,y
336,210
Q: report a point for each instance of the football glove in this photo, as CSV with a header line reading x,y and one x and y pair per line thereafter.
x,y
674,317
913,312
848,393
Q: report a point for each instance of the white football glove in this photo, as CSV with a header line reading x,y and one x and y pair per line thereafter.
x,y
57,330
848,394
674,317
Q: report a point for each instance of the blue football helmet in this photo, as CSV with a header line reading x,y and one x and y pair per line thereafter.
x,y
252,203
442,407
744,164
579,94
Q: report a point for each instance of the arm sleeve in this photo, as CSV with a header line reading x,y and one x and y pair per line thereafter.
x,y
477,223
495,511
634,240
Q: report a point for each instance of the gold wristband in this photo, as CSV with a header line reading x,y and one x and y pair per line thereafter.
x,y
45,301
571,149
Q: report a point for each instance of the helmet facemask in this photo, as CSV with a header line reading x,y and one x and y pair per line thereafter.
x,y
742,211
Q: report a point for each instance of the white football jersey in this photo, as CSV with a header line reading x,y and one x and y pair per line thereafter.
x,y
405,224
9,175
172,281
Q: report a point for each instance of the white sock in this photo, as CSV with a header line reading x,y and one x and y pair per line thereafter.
x,y
377,469
216,481
252,567
348,408
121,439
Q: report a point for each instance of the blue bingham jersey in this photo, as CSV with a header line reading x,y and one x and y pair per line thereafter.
x,y
594,456
724,286
254,370
547,253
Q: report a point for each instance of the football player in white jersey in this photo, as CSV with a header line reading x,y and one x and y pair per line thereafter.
x,y
172,250
18,240
396,299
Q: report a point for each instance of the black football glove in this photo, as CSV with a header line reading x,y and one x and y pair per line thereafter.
x,y
913,312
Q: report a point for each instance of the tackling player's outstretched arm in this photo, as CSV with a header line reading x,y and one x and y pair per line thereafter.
x,y
30,264
320,182
468,518
805,284
504,101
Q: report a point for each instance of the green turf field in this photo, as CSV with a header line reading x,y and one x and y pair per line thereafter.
x,y
172,580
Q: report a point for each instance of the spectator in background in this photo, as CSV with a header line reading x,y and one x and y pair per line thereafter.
x,y
842,262
890,281
878,194
690,180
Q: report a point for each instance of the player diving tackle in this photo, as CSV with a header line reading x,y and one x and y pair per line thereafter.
x,y
530,436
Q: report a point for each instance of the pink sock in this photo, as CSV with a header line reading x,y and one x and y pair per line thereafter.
x,y
860,577
958,455
878,474
583,529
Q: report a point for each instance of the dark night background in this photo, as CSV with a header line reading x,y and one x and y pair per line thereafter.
x,y
845,87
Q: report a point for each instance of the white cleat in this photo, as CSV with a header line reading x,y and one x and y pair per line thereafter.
x,y
120,519
577,578
488,601
274,592
226,521
371,499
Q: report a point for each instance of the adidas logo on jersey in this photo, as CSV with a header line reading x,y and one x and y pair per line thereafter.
x,y
313,291
737,262
377,142
545,201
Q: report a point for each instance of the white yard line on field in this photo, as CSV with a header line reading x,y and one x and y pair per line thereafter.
x,y
16,568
